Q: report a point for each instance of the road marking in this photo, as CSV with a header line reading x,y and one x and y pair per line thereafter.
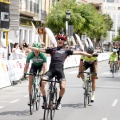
x,y
115,102
14,101
1,107
104,119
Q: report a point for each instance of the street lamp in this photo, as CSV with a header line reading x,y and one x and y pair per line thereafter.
x,y
67,19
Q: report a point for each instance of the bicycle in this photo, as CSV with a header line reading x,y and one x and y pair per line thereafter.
x,y
51,99
87,88
35,92
114,67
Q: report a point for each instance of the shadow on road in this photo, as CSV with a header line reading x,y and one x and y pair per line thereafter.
x,y
78,105
17,113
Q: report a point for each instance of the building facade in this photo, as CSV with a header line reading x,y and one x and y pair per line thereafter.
x,y
111,7
22,12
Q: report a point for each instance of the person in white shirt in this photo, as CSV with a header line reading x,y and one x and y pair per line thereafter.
x,y
16,51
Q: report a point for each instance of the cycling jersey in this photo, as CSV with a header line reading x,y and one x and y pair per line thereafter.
x,y
113,57
89,60
58,56
36,60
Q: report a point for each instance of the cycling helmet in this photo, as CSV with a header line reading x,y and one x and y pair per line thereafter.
x,y
90,49
62,37
115,50
37,45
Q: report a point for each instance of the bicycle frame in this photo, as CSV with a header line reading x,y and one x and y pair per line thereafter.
x,y
35,92
88,89
51,99
114,67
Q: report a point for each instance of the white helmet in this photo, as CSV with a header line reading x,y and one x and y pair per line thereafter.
x,y
114,50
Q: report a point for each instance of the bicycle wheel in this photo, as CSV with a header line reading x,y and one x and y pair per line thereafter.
x,y
53,103
38,95
46,110
32,101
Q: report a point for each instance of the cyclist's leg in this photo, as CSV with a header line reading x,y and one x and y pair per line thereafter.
x,y
33,69
48,75
93,69
111,66
61,76
83,66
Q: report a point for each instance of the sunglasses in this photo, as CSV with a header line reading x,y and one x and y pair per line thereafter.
x,y
60,39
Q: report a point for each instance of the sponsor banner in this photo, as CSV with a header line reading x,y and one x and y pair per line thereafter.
x,y
13,70
4,77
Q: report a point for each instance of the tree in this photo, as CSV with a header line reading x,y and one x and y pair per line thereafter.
x,y
84,17
117,38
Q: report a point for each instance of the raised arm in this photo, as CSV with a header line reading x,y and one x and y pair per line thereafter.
x,y
37,49
82,53
34,48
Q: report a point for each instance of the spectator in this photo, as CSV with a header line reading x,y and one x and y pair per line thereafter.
x,y
16,51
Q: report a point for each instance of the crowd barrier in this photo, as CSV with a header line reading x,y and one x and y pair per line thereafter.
x,y
12,70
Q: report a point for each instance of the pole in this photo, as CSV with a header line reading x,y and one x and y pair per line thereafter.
x,y
67,33
6,38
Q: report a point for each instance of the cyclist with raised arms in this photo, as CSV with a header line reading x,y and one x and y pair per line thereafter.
x,y
38,61
56,68
89,62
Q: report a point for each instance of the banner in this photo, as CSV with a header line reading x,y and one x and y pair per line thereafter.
x,y
4,77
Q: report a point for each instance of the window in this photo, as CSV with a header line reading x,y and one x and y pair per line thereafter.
x,y
110,1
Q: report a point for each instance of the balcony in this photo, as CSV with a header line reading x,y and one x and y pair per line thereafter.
x,y
43,16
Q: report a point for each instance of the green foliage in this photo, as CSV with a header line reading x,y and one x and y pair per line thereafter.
x,y
118,37
84,17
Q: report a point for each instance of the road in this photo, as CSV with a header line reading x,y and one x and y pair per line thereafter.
x,y
13,99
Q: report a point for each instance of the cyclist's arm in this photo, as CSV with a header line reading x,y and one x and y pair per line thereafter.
x,y
26,67
81,65
81,53
38,49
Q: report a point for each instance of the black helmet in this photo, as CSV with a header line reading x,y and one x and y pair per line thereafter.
x,y
90,49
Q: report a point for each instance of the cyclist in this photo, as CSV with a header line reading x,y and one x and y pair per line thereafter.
x,y
39,61
89,62
56,68
113,58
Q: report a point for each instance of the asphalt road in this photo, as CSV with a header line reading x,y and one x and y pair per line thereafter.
x,y
13,99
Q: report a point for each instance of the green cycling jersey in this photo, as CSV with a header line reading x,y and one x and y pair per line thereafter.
x,y
36,60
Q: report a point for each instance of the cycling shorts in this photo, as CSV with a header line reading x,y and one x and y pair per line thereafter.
x,y
87,65
34,68
58,72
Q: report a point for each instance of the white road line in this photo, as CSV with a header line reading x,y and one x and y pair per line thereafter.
x,y
26,95
14,101
1,107
104,118
115,102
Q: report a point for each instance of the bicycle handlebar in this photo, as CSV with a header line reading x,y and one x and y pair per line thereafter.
x,y
33,74
86,72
